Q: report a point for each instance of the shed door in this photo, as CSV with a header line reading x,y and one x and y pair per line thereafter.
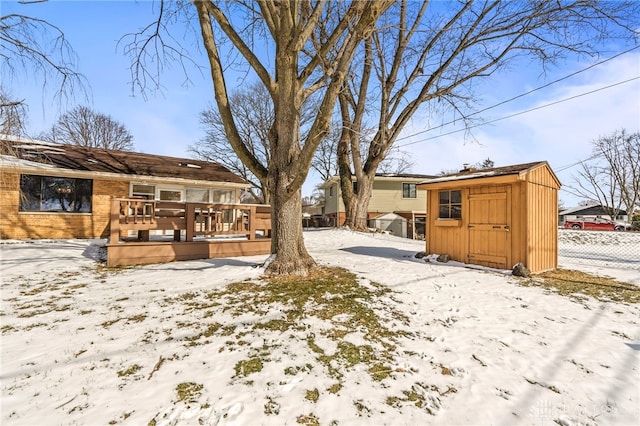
x,y
489,226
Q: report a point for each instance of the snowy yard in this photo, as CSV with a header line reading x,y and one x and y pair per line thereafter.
x,y
207,342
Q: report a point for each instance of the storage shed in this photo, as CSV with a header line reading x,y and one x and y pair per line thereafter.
x,y
390,222
495,217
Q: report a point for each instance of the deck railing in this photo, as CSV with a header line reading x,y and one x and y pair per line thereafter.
x,y
192,219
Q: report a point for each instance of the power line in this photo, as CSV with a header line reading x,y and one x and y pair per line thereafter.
x,y
518,113
617,143
519,96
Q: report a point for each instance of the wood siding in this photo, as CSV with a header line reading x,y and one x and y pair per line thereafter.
x,y
542,230
531,215
447,236
489,226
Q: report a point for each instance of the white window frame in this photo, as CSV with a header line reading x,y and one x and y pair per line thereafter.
x,y
415,190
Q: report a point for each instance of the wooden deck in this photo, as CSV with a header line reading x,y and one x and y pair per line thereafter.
x,y
197,231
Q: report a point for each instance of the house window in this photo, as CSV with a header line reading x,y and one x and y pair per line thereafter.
x,y
55,194
408,190
170,195
197,195
223,196
147,192
450,205
331,191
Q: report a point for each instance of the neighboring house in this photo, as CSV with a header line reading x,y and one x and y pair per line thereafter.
x,y
391,193
64,191
592,211
495,217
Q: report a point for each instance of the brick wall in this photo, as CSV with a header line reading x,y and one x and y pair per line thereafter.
x,y
21,225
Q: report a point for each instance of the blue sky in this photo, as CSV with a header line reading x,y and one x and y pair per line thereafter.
x,y
166,123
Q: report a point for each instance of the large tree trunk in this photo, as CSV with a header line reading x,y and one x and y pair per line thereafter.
x,y
357,204
287,242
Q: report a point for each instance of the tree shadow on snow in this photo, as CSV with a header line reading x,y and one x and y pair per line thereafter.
x,y
384,252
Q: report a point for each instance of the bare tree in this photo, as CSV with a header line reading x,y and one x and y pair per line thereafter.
x,y
324,160
254,112
252,108
85,127
612,175
396,161
13,114
35,47
423,57
306,48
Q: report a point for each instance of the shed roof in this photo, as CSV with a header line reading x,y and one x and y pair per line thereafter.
x,y
85,159
473,173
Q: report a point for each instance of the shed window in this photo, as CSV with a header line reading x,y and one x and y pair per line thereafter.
x,y
55,194
408,190
450,205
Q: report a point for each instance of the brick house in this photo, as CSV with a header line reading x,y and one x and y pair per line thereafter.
x,y
65,191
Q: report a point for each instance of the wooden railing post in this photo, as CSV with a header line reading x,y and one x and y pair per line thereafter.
x,y
114,226
190,218
252,222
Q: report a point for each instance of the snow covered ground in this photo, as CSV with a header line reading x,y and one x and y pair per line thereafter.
x,y
160,344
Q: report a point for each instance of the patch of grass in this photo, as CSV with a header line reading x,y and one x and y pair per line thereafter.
x,y
421,395
137,318
445,371
333,295
249,366
208,332
8,328
361,408
108,324
334,388
271,407
274,325
309,420
380,372
129,371
292,371
312,395
578,284
550,387
189,391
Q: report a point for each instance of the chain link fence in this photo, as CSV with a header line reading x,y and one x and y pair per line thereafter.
x,y
615,249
